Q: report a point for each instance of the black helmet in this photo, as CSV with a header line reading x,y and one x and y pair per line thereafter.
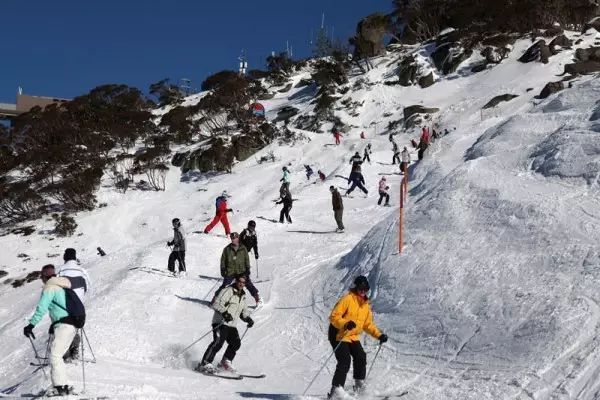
x,y
176,222
361,282
252,224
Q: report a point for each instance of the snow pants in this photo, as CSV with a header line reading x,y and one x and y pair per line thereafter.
x,y
63,336
383,195
348,352
285,212
178,256
403,166
221,335
338,215
396,158
227,281
222,218
366,157
357,183
337,139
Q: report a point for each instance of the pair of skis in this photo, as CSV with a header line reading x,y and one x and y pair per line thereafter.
x,y
232,376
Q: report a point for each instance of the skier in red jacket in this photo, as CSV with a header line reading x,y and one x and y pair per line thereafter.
x,y
337,136
221,214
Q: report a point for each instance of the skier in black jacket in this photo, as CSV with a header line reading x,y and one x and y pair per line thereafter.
x,y
249,238
286,199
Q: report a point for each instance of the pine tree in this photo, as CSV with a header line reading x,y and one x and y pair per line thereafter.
x,y
323,44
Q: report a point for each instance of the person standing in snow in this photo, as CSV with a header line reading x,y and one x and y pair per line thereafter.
x,y
178,251
405,157
337,135
72,269
356,161
396,151
285,179
287,207
221,214
236,261
338,208
230,305
349,318
309,171
367,154
322,176
249,238
61,306
383,192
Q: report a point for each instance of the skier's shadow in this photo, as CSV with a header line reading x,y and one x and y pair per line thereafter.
x,y
268,396
193,300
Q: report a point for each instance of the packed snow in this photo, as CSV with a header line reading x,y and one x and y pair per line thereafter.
x,y
494,296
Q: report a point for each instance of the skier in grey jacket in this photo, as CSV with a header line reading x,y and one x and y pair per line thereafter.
x,y
178,251
230,305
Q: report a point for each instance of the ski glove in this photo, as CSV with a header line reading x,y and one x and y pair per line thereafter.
x,y
383,338
256,256
227,317
28,331
230,210
169,243
249,322
350,325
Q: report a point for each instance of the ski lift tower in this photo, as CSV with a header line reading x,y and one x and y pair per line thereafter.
x,y
243,63
186,86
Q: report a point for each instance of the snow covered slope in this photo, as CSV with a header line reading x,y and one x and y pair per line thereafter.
x,y
493,298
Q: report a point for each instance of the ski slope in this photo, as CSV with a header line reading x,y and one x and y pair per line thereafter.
x,y
494,297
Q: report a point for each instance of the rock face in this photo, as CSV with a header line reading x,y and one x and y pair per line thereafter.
x,y
538,52
499,99
414,115
589,54
370,33
550,88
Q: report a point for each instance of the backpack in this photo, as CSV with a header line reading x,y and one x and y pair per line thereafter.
x,y
74,308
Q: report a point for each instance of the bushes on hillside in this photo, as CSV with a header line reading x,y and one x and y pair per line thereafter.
x,y
65,225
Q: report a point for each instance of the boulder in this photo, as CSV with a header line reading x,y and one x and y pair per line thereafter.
x,y
589,54
499,99
427,80
493,55
370,35
550,88
479,67
538,52
593,24
413,115
447,57
407,71
559,42
582,68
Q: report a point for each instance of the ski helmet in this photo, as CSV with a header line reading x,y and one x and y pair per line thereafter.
x,y
252,224
176,223
361,283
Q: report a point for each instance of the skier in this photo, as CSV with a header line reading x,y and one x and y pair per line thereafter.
x,y
67,315
322,176
337,135
309,171
396,151
367,153
285,179
178,251
338,208
423,145
287,207
221,214
425,135
235,261
356,161
362,135
383,192
229,305
405,157
357,179
350,316
249,238
71,269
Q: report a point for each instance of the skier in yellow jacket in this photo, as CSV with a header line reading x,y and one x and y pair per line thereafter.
x,y
350,316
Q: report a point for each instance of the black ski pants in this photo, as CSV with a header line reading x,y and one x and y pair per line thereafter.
x,y
366,157
383,195
180,257
285,212
222,334
396,158
357,183
346,353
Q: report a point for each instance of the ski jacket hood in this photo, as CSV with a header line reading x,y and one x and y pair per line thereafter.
x,y
353,307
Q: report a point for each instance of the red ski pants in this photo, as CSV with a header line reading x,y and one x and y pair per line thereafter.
x,y
219,218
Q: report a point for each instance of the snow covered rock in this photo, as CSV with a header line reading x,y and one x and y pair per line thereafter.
x,y
558,43
538,52
499,99
551,88
413,115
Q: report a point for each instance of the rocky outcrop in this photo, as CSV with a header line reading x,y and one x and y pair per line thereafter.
x,y
582,68
558,43
550,88
449,53
538,52
410,73
499,99
427,80
593,24
589,54
414,115
370,34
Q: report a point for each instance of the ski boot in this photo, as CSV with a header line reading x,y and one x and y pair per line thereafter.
x,y
63,390
337,393
227,365
206,368
360,387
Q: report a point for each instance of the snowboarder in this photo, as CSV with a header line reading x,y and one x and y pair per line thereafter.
x,y
285,179
178,251
221,214
67,315
229,305
367,154
309,171
337,135
383,192
405,157
338,208
350,316
322,176
249,238
287,207
73,270
235,261
396,151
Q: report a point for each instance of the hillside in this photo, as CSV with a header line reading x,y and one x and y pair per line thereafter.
x,y
494,296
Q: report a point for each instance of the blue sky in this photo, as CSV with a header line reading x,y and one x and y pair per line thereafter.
x,y
64,48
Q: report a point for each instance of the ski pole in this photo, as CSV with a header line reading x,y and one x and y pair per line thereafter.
x,y
373,362
82,359
201,337
246,331
37,356
323,367
257,268
211,289
89,345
